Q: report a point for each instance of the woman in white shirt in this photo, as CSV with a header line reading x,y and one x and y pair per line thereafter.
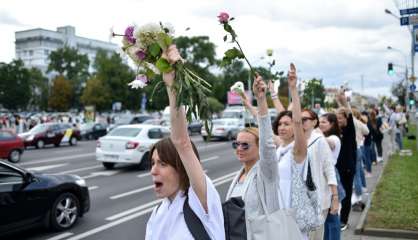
x,y
322,167
328,124
178,175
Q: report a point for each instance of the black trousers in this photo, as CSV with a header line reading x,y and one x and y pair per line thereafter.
x,y
378,147
347,177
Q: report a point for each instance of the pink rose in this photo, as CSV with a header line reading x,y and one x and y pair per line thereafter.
x,y
223,17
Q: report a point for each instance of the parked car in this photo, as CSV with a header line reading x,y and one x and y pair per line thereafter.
x,y
194,127
29,199
51,133
11,146
129,119
92,130
239,112
129,144
224,128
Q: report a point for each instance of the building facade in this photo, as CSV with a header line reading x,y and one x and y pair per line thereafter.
x,y
33,46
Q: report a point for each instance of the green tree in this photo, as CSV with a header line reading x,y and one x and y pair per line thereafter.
x,y
73,66
214,105
97,94
230,74
15,89
39,87
398,90
314,92
115,75
61,94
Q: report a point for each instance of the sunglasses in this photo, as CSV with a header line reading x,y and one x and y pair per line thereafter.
x,y
304,119
244,145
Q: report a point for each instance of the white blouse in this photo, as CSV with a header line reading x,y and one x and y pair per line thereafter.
x,y
337,147
167,220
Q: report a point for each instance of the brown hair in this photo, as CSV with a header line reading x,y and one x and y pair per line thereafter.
x,y
168,154
335,129
277,120
343,111
253,131
313,115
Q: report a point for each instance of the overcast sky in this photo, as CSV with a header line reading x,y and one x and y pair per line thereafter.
x,y
336,40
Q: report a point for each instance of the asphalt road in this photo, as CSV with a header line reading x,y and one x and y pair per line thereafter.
x,y
121,199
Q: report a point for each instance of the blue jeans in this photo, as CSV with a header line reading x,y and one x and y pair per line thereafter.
x,y
398,139
359,178
332,228
368,157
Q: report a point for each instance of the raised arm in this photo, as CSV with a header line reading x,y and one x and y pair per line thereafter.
x,y
300,147
275,97
248,106
180,137
268,163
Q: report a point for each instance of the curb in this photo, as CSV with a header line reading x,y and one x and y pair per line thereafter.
x,y
380,232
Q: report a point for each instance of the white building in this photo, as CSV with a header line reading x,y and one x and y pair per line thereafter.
x,y
33,46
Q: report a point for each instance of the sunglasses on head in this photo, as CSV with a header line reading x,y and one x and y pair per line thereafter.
x,y
244,145
304,119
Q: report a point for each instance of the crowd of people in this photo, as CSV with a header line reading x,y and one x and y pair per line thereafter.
x,y
297,177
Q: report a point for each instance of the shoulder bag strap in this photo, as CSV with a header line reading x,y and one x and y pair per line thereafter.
x,y
193,222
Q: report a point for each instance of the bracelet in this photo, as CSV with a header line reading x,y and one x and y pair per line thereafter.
x,y
274,96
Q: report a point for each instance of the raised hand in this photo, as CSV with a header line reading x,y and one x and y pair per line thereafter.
x,y
172,55
291,76
271,87
259,87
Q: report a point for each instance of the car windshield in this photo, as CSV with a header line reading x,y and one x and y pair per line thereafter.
x,y
232,115
86,126
124,132
38,128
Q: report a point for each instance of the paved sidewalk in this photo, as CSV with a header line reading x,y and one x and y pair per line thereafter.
x,y
355,216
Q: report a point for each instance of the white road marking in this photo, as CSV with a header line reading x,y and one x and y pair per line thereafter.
x,y
129,211
102,173
58,159
61,236
67,151
144,175
43,168
82,169
93,188
131,192
209,159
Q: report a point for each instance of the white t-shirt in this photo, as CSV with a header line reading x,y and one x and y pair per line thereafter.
x,y
167,220
337,147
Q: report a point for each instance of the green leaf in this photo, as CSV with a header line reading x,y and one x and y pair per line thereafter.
x,y
234,53
154,49
163,65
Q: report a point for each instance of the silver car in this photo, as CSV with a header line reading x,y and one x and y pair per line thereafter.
x,y
224,128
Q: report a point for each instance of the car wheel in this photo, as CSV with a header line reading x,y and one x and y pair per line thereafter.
x,y
108,165
204,138
73,141
190,132
14,156
57,144
64,212
229,137
145,163
40,144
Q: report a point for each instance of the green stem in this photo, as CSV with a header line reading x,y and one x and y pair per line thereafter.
x,y
248,62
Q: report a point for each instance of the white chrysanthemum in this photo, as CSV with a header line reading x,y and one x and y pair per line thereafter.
x,y
170,28
152,67
147,34
139,82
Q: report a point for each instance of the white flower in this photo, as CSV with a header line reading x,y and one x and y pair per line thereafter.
x,y
238,87
139,82
152,67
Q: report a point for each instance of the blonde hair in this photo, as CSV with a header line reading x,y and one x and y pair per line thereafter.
x,y
356,113
253,131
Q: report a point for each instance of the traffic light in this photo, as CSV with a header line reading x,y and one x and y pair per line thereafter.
x,y
390,69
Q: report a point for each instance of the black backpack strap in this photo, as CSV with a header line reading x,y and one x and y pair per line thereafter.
x,y
193,222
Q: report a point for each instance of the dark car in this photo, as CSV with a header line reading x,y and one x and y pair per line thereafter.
x,y
51,133
194,127
11,146
92,130
29,199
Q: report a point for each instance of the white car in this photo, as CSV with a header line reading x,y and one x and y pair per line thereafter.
x,y
225,128
129,144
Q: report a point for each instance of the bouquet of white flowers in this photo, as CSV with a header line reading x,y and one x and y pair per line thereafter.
x,y
145,46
